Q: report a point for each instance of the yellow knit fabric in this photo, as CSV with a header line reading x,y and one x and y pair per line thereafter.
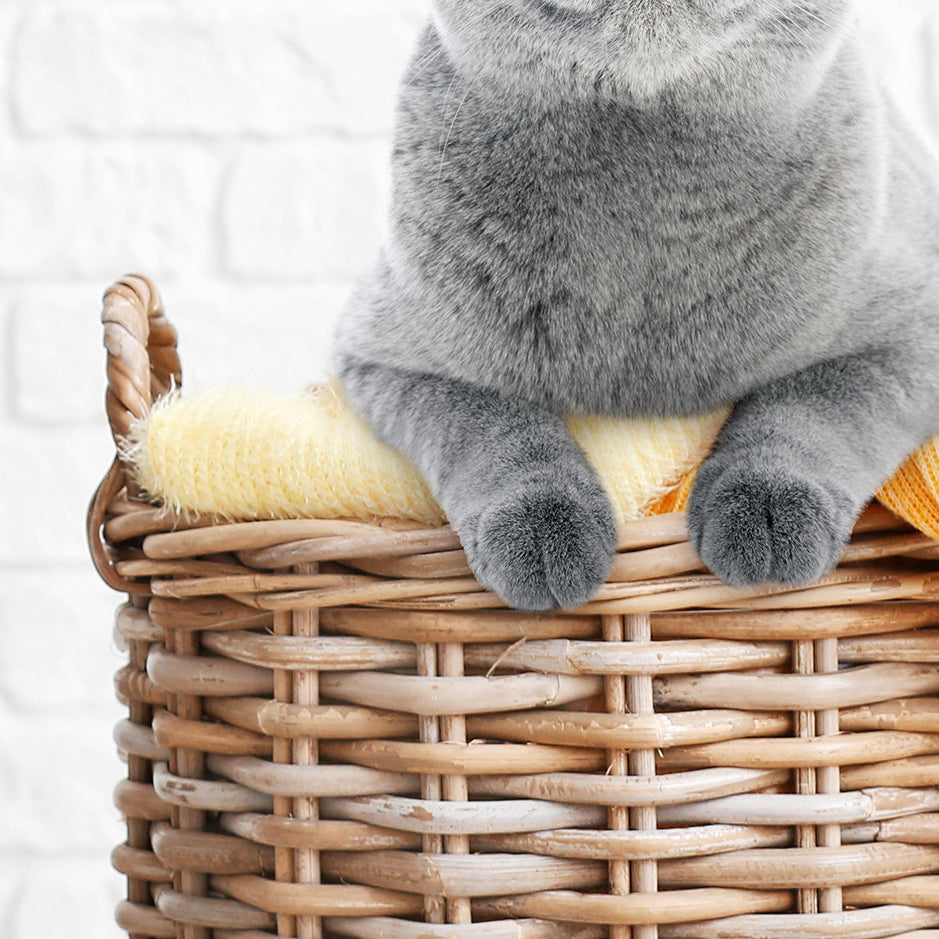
x,y
913,492
249,455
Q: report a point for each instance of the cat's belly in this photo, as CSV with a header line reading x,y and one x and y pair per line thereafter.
x,y
656,344
636,339
632,365
598,313
616,296
638,353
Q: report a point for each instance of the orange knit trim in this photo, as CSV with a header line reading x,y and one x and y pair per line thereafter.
x,y
913,491
675,499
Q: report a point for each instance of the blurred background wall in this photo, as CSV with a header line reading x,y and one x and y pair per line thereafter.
x,y
234,150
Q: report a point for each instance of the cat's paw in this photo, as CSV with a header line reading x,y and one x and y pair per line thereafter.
x,y
545,547
752,523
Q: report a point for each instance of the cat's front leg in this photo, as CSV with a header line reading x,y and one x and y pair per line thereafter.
x,y
799,459
533,517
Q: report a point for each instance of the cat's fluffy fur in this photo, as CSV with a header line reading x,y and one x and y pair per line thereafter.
x,y
649,207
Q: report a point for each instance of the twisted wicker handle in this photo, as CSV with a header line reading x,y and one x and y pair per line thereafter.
x,y
142,359
142,365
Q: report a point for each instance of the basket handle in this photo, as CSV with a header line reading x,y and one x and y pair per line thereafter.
x,y
142,359
142,365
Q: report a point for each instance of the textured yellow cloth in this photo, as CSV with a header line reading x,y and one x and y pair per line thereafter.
x,y
913,492
250,455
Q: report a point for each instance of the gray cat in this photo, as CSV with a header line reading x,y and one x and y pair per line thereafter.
x,y
649,207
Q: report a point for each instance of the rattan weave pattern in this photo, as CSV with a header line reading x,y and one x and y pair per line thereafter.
x,y
333,730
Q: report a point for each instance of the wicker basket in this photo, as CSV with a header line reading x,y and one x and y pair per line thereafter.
x,y
334,731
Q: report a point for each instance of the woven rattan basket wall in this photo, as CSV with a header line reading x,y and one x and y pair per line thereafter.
x,y
334,731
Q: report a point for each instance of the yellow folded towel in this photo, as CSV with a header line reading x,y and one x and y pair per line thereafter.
x,y
248,455
244,454
913,491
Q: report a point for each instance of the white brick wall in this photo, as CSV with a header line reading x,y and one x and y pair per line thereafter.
x,y
234,149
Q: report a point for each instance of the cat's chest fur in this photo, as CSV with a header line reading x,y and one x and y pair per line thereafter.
x,y
602,258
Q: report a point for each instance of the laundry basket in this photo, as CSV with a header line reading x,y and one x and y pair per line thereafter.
x,y
333,730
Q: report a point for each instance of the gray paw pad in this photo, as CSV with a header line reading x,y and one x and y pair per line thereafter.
x,y
751,526
543,549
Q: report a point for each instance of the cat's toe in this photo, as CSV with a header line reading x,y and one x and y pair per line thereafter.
x,y
753,525
545,549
